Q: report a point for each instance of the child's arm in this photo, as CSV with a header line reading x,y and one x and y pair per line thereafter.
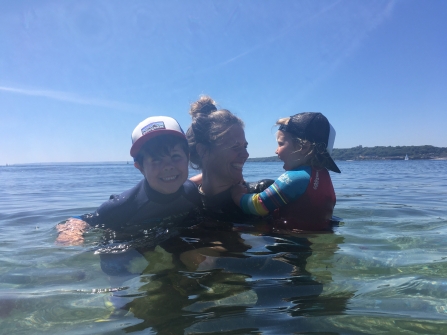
x,y
71,232
288,187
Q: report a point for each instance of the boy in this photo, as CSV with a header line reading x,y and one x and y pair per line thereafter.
x,y
159,202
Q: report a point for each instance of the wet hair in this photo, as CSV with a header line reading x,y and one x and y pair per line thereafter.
x,y
317,160
160,146
207,127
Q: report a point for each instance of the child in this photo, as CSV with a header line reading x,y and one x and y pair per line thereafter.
x,y
302,198
160,201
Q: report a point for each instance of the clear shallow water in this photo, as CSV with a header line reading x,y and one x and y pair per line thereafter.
x,y
382,271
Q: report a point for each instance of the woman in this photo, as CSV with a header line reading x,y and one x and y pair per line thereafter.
x,y
218,148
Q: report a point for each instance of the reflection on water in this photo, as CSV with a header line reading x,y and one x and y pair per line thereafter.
x,y
227,279
383,270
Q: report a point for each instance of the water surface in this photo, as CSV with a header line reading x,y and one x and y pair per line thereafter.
x,y
383,269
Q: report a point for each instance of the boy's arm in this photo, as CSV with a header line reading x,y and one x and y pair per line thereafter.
x,y
110,214
71,232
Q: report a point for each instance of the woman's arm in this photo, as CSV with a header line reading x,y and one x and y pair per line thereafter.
x,y
197,179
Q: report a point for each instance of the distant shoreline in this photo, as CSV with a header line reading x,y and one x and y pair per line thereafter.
x,y
276,159
257,159
360,153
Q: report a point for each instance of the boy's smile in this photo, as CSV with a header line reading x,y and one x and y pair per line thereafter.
x,y
166,174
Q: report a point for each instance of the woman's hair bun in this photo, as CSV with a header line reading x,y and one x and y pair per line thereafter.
x,y
205,105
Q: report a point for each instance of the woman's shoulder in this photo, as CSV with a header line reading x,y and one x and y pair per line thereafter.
x,y
191,192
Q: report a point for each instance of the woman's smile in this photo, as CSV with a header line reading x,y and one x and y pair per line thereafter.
x,y
227,159
238,166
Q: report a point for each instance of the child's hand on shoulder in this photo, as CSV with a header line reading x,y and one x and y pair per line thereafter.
x,y
237,191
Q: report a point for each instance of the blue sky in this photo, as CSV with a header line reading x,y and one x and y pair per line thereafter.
x,y
76,77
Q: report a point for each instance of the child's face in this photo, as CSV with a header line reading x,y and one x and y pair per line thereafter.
x,y
167,173
292,154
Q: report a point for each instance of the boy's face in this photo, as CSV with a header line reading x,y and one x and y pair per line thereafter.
x,y
167,173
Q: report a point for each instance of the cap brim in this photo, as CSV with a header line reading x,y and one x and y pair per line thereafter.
x,y
330,164
136,147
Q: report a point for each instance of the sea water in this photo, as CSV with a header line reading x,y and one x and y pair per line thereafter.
x,y
383,269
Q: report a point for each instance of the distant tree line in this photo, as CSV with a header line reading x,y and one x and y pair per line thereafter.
x,y
413,152
379,153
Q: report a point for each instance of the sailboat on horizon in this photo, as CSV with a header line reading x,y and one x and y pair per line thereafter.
x,y
406,158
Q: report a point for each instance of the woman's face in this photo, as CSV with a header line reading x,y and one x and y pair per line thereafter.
x,y
226,160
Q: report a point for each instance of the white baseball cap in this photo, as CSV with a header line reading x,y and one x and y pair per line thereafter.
x,y
152,127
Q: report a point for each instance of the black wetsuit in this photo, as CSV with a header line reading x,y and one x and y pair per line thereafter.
x,y
222,207
144,212
139,219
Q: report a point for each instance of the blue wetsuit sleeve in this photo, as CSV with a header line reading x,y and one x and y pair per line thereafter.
x,y
287,188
